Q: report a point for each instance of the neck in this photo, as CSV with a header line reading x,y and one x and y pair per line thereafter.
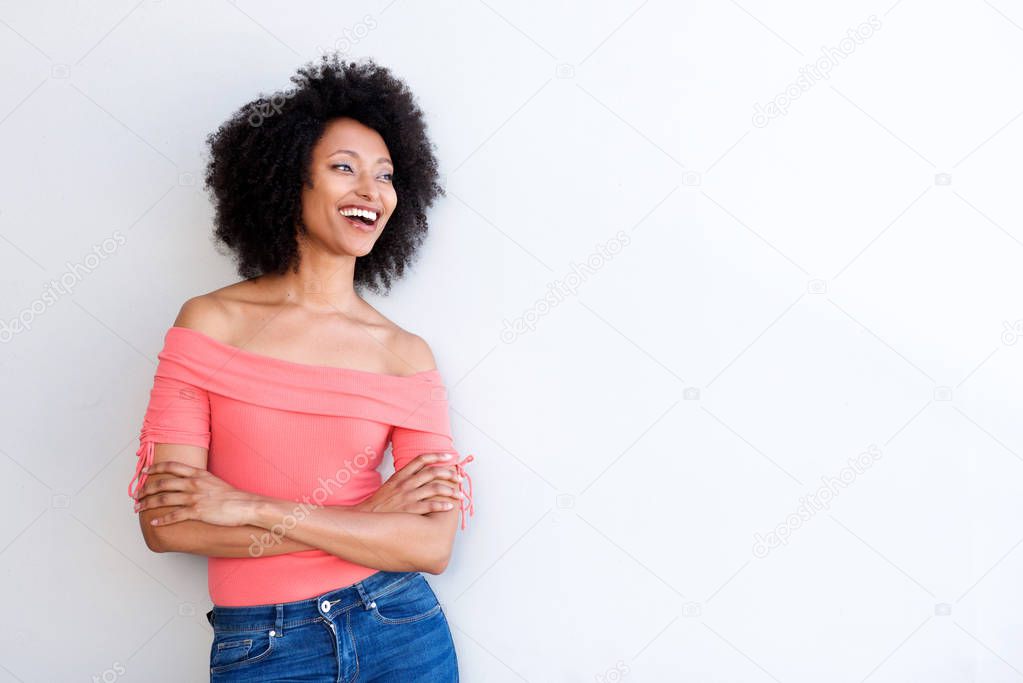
x,y
321,285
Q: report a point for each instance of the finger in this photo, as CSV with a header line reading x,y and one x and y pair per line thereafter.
x,y
435,473
179,469
179,515
426,482
161,500
151,485
454,502
421,461
420,487
170,483
427,492
428,506
448,472
441,490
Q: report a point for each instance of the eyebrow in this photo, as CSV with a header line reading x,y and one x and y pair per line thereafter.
x,y
355,154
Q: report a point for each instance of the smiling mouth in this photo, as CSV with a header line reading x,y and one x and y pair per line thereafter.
x,y
361,222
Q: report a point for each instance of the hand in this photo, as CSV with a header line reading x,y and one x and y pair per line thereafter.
x,y
194,493
420,487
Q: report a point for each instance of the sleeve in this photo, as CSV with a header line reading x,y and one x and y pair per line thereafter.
x,y
178,412
407,444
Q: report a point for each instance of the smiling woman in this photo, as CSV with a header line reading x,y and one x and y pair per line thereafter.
x,y
276,397
344,123
341,183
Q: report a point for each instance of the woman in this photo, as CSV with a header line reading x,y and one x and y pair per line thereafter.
x,y
275,397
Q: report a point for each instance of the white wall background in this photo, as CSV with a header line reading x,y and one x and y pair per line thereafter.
x,y
796,290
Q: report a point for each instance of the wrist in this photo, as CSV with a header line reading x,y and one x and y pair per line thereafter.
x,y
367,504
263,511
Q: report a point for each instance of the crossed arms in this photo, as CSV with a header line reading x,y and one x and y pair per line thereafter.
x,y
403,526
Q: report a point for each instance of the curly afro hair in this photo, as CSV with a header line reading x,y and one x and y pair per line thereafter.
x,y
260,159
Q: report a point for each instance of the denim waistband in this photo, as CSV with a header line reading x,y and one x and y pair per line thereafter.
x,y
281,616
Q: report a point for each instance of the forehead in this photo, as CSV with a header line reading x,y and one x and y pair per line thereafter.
x,y
348,133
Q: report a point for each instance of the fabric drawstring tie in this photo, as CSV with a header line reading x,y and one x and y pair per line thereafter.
x,y
144,457
466,503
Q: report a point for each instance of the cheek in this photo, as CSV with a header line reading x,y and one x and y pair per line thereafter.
x,y
390,201
315,205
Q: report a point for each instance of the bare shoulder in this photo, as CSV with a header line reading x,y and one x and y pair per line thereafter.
x,y
210,313
203,313
411,348
416,351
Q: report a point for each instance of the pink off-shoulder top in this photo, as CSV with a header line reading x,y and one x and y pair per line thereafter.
x,y
308,433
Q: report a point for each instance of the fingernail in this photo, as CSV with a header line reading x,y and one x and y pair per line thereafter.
x,y
445,456
448,506
145,469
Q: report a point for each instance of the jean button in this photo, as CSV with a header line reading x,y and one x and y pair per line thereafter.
x,y
372,604
325,605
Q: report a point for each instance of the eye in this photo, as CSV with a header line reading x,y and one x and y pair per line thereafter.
x,y
389,176
341,164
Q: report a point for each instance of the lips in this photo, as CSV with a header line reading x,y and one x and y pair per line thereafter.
x,y
356,223
359,222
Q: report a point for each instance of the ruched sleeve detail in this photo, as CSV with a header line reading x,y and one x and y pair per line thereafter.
x,y
178,412
408,444
426,428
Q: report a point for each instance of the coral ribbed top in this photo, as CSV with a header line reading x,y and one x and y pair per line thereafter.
x,y
308,433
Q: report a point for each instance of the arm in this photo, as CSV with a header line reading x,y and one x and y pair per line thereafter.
x,y
198,537
181,411
389,541
178,496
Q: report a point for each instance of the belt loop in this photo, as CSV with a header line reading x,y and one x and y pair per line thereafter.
x,y
364,594
279,621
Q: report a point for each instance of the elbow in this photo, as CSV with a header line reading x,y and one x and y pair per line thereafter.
x,y
155,540
434,566
437,552
437,561
153,543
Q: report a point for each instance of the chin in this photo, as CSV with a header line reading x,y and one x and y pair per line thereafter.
x,y
359,249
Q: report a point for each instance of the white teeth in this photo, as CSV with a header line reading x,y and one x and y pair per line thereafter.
x,y
352,211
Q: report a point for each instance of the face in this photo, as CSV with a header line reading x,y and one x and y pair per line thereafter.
x,y
352,195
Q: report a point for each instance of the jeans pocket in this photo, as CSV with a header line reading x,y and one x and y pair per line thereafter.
x,y
234,649
411,601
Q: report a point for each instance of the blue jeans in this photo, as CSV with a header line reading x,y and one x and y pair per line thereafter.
x,y
387,627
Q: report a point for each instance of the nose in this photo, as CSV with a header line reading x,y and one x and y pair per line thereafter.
x,y
366,187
